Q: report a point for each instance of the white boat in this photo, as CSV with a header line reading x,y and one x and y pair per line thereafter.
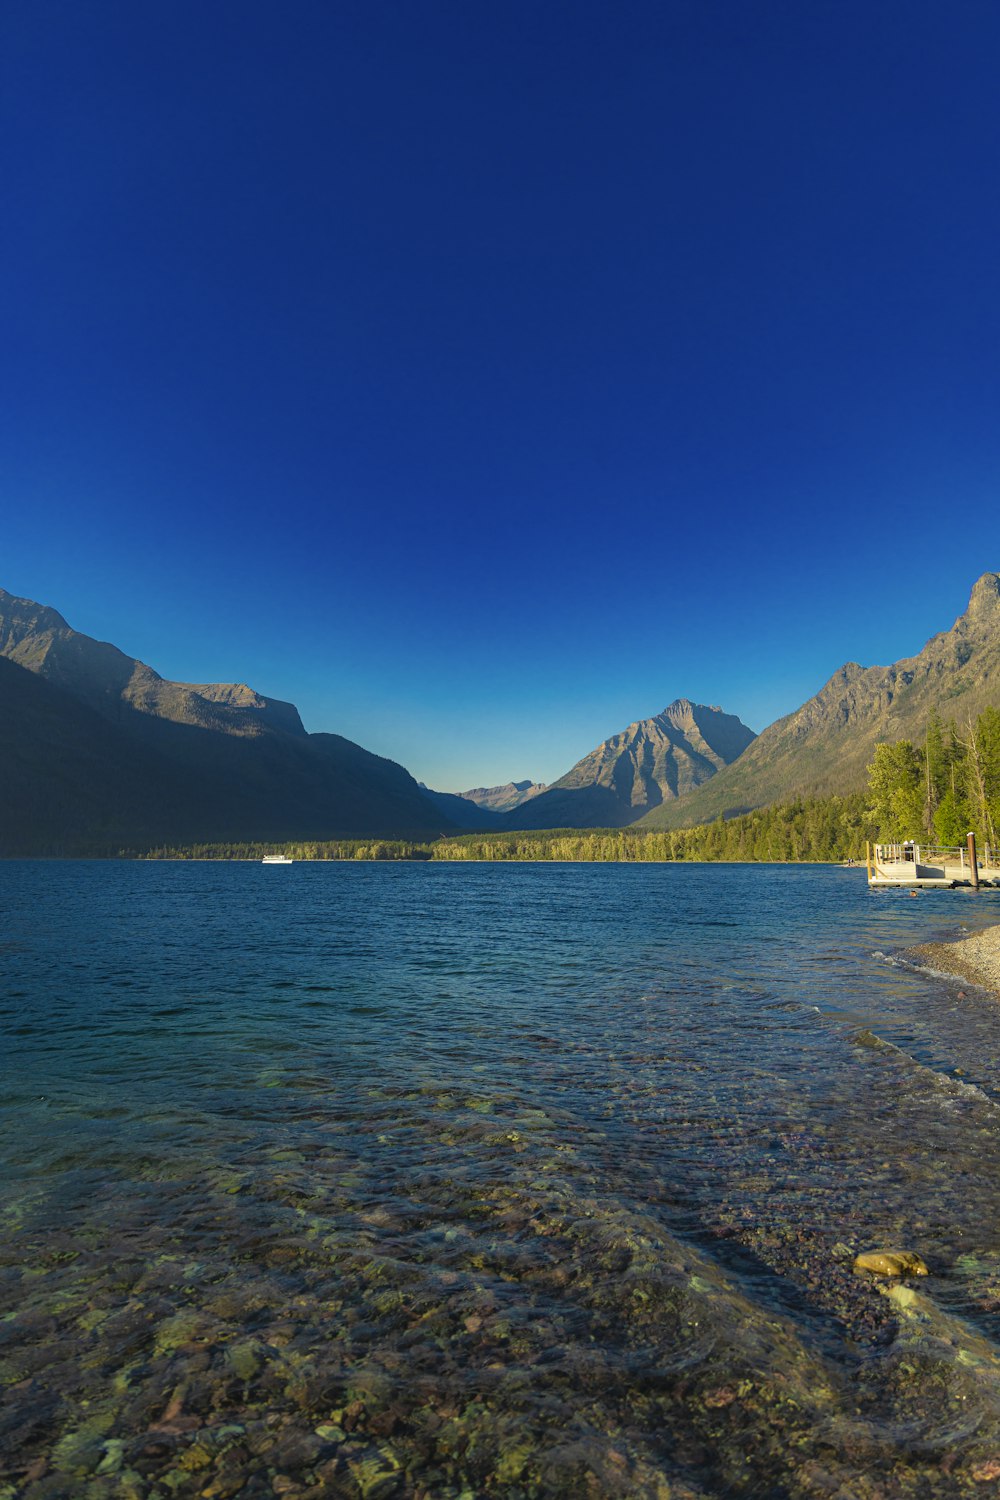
x,y
277,859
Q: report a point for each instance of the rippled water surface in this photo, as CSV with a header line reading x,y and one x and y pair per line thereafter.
x,y
513,1180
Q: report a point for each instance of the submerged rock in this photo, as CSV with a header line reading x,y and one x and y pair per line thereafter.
x,y
891,1263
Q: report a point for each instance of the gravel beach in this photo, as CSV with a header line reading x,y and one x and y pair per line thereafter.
x,y
975,958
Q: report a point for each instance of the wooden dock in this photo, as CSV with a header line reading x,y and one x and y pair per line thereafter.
x,y
929,866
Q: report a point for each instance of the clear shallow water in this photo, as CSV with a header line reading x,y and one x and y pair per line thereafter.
x,y
443,1180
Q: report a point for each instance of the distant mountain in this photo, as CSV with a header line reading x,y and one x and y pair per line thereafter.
x,y
652,762
484,806
112,754
463,813
99,752
504,798
825,746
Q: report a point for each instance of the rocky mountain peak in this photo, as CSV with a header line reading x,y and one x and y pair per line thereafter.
x,y
652,761
985,597
678,713
38,638
825,746
23,617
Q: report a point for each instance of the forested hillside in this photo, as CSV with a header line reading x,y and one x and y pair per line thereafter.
x,y
825,746
942,787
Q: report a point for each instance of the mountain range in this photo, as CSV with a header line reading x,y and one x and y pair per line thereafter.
x,y
824,747
484,806
99,752
501,799
651,763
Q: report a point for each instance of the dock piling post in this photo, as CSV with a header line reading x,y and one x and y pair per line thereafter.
x,y
973,862
868,859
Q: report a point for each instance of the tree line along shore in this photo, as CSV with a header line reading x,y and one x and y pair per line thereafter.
x,y
939,789
828,829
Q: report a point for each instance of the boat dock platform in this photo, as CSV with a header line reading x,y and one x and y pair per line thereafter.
x,y
928,866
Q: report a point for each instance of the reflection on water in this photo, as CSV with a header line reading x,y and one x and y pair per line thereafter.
x,y
453,1181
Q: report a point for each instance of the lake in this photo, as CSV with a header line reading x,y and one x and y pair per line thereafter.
x,y
435,1180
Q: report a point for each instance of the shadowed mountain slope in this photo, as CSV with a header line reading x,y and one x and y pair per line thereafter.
x,y
825,746
72,782
484,806
464,814
142,759
652,762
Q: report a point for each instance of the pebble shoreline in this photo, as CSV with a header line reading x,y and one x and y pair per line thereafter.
x,y
975,959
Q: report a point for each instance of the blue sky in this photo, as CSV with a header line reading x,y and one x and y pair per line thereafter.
x,y
482,377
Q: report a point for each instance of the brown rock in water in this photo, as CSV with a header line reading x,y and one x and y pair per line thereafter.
x,y
891,1263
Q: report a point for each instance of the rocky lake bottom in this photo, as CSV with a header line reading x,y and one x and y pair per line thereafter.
x,y
449,1181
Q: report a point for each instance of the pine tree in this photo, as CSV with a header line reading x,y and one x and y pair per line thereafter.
x,y
896,790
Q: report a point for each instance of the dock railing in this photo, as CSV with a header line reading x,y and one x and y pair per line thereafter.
x,y
910,862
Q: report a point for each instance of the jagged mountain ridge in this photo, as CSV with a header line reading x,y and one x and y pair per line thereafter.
x,y
483,807
500,799
97,749
37,637
824,747
149,760
653,761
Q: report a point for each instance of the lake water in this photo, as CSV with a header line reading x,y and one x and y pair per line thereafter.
x,y
502,1180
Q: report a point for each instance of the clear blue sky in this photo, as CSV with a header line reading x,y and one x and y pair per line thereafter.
x,y
484,376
